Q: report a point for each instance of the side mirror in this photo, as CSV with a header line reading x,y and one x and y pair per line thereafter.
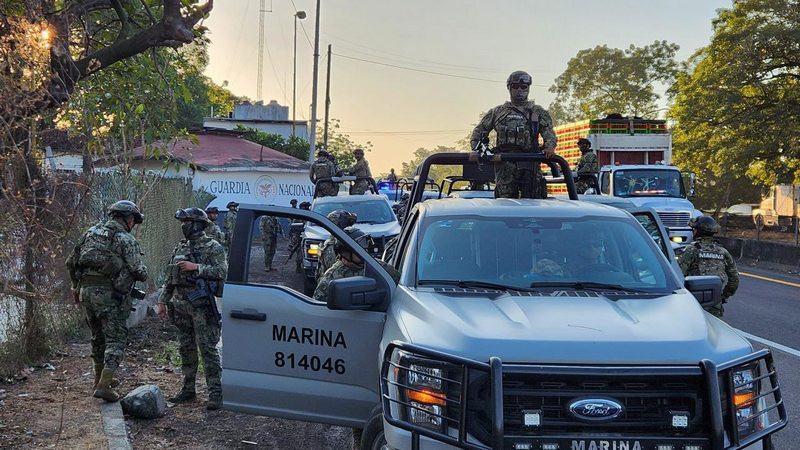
x,y
296,227
354,293
692,180
707,289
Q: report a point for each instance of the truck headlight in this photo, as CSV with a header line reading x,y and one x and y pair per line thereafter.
x,y
312,249
422,386
746,406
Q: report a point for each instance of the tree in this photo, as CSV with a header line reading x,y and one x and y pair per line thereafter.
x,y
736,103
107,65
341,145
603,80
49,47
201,97
437,172
294,146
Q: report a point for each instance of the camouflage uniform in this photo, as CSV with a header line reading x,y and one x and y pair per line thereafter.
x,y
230,221
106,299
324,167
327,258
586,166
704,256
197,325
270,228
518,130
360,169
213,231
337,270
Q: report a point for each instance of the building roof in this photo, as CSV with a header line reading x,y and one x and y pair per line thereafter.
x,y
212,152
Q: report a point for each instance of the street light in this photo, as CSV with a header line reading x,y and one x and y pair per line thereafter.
x,y
298,15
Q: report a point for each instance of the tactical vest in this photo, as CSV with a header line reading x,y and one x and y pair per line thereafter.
x,y
518,129
322,169
711,261
96,252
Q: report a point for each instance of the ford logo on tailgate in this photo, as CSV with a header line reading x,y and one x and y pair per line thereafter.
x,y
595,409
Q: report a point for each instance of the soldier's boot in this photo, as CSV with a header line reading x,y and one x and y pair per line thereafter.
x,y
103,389
186,394
98,369
214,401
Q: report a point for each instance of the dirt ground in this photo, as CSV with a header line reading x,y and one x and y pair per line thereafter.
x,y
50,406
54,408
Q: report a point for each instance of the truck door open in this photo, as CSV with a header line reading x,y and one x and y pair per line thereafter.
x,y
287,355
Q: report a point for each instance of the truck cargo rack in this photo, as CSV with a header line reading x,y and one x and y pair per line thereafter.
x,y
557,164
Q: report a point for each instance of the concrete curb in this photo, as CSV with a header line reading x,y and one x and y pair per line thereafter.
x,y
114,426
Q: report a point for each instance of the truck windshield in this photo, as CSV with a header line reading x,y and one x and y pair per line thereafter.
x,y
648,183
370,211
521,253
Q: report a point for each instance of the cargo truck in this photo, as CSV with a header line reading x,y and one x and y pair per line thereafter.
x,y
780,208
635,156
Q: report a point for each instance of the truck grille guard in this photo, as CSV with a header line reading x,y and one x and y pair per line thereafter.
x,y
409,370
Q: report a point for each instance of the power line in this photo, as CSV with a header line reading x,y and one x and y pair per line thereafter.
x,y
408,132
430,72
381,54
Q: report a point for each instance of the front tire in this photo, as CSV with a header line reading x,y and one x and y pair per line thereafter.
x,y
373,437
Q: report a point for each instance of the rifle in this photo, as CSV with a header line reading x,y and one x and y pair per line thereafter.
x,y
204,291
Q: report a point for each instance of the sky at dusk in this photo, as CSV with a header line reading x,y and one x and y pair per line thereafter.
x,y
382,88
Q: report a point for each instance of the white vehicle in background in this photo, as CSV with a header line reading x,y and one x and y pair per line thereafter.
x,y
781,206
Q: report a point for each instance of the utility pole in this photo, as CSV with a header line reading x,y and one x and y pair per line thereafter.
x,y
298,15
313,132
327,100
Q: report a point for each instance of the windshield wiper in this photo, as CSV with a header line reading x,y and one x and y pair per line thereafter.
x,y
369,222
472,284
582,286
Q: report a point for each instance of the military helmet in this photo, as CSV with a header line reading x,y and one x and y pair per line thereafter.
x,y
342,218
704,225
212,210
191,214
293,201
519,77
584,141
232,204
305,205
126,208
358,150
363,239
323,152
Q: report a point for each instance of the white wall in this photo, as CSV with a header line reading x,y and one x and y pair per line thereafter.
x,y
262,187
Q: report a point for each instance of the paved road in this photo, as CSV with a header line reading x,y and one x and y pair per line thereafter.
x,y
770,311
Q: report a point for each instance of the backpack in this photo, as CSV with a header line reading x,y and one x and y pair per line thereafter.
x,y
96,252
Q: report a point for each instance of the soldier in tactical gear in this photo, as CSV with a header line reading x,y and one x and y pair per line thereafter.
x,y
518,124
270,228
195,277
296,240
212,229
230,221
327,257
103,268
704,256
359,169
323,167
348,264
587,167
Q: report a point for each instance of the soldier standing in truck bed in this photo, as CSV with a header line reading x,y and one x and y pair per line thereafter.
x,y
518,124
